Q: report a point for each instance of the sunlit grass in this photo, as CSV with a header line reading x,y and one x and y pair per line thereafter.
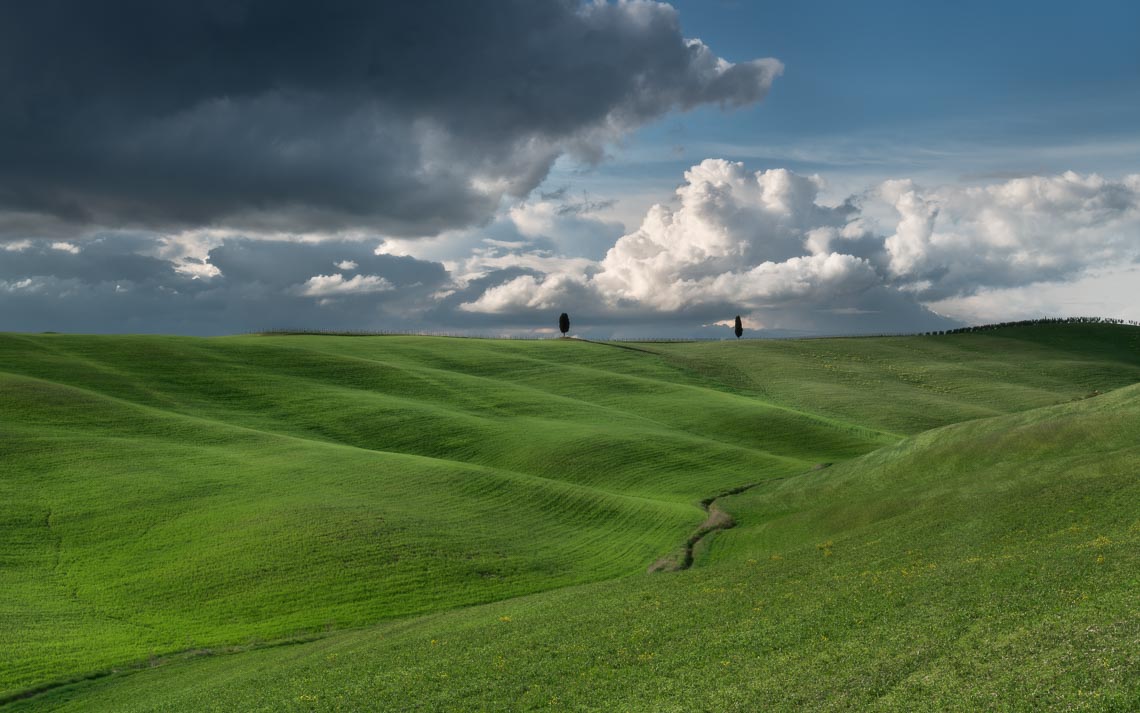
x,y
164,495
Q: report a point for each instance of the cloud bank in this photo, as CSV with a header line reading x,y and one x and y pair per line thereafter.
x,y
291,115
216,167
733,241
955,241
761,242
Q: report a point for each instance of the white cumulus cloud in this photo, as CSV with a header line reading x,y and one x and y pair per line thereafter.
x,y
956,240
529,293
336,285
737,236
759,242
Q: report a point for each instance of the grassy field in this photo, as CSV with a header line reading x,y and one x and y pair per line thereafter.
x,y
403,523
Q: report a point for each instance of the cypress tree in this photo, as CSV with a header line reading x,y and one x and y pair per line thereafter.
x,y
564,323
738,328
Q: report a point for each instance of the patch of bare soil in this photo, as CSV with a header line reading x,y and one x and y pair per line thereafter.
x,y
717,520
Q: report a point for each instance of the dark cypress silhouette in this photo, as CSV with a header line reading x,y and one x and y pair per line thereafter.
x,y
738,328
564,323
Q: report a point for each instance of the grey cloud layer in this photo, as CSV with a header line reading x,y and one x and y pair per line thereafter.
x,y
108,283
410,118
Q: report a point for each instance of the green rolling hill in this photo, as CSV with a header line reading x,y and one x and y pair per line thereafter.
x,y
409,523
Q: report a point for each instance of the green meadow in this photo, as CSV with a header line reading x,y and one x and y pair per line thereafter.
x,y
335,523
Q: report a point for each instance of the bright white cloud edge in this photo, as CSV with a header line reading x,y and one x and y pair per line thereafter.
x,y
763,239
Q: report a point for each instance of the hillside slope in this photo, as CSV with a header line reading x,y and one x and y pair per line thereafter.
x,y
917,577
165,494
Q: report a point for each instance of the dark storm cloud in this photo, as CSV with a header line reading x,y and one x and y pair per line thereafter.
x,y
281,114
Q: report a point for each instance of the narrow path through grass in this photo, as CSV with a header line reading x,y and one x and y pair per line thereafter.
x,y
717,520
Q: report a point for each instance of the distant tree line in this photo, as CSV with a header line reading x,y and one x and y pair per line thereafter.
x,y
1035,323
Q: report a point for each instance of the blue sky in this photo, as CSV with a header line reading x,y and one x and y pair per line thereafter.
x,y
1028,73
817,167
953,90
